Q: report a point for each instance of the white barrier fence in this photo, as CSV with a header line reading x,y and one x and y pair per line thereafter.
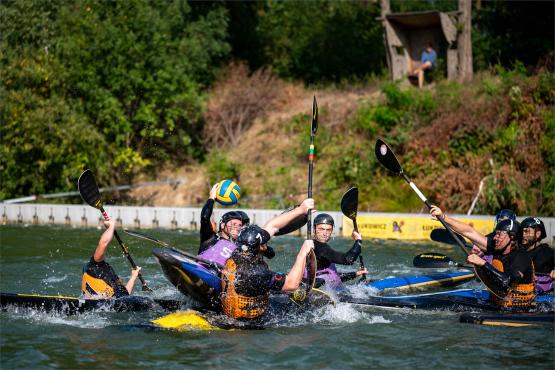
x,y
160,217
127,217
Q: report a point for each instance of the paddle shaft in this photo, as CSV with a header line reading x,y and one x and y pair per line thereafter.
x,y
429,205
310,171
124,249
443,236
311,257
309,214
363,278
166,245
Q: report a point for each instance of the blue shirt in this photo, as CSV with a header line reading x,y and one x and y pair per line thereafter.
x,y
429,57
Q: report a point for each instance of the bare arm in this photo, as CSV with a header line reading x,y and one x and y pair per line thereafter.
x,y
276,223
461,228
105,239
132,279
295,275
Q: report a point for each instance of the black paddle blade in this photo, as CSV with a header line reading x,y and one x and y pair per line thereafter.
x,y
314,126
444,236
387,158
89,189
433,260
349,203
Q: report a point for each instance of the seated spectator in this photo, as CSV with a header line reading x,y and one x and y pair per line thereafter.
x,y
428,61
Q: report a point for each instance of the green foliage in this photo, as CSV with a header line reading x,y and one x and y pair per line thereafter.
x,y
411,100
219,167
347,165
301,125
499,196
395,118
45,145
388,194
491,86
298,37
545,92
121,81
507,31
475,142
548,137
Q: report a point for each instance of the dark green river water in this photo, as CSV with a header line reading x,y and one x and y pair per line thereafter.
x,y
48,260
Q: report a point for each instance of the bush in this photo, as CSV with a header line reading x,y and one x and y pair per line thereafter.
x,y
236,101
545,92
298,36
121,79
219,167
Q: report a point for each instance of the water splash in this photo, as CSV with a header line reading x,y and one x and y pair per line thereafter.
x,y
54,279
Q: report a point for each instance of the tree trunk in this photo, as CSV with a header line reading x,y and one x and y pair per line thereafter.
x,y
464,43
385,10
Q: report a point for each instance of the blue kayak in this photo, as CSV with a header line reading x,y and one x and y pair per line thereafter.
x,y
195,279
421,282
201,281
454,300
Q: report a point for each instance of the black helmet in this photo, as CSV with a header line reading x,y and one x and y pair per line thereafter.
x,y
505,213
534,223
510,226
251,238
323,218
231,215
245,218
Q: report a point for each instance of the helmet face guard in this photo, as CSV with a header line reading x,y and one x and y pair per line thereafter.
x,y
512,228
227,217
231,215
536,224
244,218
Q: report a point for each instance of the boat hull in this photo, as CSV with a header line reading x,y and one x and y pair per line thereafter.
x,y
75,305
422,282
456,300
194,279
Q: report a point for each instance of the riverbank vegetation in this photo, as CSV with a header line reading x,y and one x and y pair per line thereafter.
x,y
140,90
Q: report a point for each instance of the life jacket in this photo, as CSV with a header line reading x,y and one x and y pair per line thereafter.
x,y
91,286
101,280
219,252
239,306
330,275
519,295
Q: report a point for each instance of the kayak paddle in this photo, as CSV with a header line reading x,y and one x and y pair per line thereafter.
x,y
361,262
443,236
349,207
91,195
435,260
298,295
139,235
387,158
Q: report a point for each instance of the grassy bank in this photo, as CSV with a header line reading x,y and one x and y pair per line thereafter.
x,y
498,129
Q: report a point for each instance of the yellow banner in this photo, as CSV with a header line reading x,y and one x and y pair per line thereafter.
x,y
405,227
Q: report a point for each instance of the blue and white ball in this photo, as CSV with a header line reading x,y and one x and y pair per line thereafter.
x,y
228,193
